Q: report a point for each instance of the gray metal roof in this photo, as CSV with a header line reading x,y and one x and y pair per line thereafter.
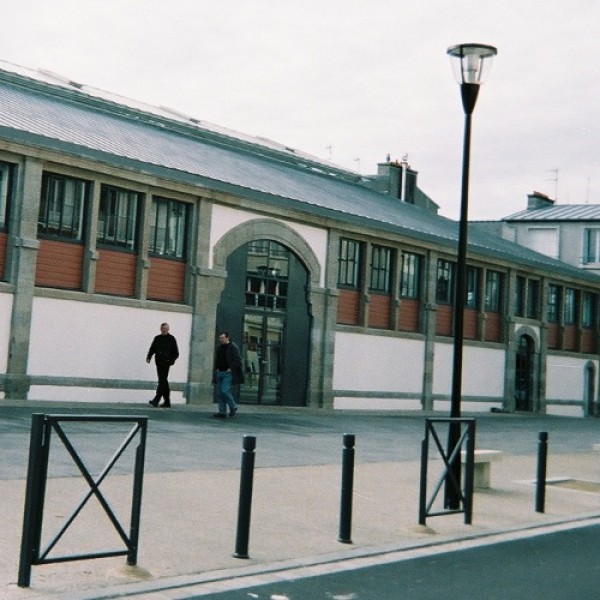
x,y
565,212
62,117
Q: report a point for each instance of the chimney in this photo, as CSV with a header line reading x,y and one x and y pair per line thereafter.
x,y
397,179
538,200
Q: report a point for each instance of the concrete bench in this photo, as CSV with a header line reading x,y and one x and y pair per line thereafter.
x,y
482,472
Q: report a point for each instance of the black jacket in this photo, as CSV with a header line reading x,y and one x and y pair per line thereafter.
x,y
232,357
164,349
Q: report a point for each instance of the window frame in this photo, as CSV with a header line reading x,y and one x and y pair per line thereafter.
x,y
553,303
445,267
55,191
7,175
179,251
410,275
380,269
131,216
589,303
570,306
349,263
473,289
494,287
591,256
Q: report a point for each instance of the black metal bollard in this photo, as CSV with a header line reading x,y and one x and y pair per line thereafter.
x,y
540,492
245,501
423,483
345,532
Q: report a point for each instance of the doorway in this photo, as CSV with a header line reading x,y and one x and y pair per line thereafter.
x,y
265,303
590,390
524,370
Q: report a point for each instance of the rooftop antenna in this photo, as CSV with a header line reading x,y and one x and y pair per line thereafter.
x,y
330,150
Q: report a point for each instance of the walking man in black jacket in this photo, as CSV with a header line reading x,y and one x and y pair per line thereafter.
x,y
165,352
227,373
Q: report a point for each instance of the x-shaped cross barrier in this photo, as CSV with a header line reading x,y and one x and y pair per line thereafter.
x,y
451,471
41,430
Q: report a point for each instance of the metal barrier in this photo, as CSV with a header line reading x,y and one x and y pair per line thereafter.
x,y
42,427
451,458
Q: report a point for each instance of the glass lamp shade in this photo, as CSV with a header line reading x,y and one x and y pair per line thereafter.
x,y
471,62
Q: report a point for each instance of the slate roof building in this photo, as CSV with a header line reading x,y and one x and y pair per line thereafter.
x,y
569,232
116,216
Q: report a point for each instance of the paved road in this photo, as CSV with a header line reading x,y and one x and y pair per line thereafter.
x,y
558,566
188,438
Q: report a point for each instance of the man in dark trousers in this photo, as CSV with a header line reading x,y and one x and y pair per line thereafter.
x,y
165,352
227,373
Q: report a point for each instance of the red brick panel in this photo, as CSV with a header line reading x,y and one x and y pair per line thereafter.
x,y
348,311
115,273
444,320
493,327
570,338
588,341
470,324
553,335
3,242
409,315
166,280
59,265
379,311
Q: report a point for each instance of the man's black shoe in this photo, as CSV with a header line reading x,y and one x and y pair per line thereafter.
x,y
232,412
220,416
153,403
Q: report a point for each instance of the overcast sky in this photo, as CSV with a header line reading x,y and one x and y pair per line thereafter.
x,y
353,81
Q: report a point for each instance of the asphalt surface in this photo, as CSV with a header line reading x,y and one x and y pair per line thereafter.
x,y
192,480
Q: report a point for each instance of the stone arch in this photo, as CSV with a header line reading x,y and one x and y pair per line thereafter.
x,y
267,229
529,332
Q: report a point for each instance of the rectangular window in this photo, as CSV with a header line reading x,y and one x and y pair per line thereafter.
x,y
588,309
445,282
168,229
6,180
62,206
591,246
381,266
533,299
493,291
118,217
553,303
349,264
473,277
410,277
570,304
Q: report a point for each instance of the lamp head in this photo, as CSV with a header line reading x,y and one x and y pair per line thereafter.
x,y
471,62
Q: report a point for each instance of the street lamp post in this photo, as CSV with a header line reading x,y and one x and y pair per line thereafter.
x,y
470,62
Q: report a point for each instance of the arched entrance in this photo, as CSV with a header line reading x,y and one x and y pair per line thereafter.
x,y
524,373
265,308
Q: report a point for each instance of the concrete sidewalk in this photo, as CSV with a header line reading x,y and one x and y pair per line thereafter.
x,y
188,523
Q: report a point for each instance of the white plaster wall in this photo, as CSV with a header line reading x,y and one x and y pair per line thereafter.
x,y
224,219
565,377
373,363
483,370
6,301
83,339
